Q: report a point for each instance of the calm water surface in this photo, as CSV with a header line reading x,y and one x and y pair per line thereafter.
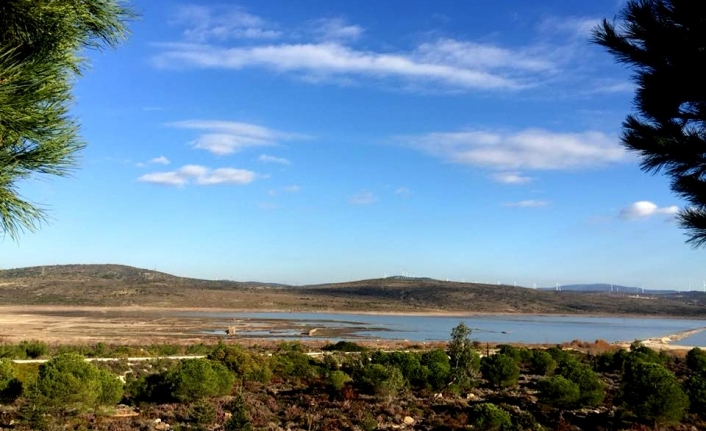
x,y
522,329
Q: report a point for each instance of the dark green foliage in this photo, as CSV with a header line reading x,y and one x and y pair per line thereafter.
x,y
559,391
652,393
542,363
591,389
344,346
239,420
10,387
696,360
511,351
500,370
560,355
202,413
489,417
643,353
68,380
465,362
290,362
196,379
40,42
34,349
664,42
695,388
382,380
246,366
408,363
437,362
337,380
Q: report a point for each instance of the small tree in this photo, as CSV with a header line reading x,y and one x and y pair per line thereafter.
x,y
239,420
196,379
559,391
542,363
489,417
653,393
68,380
591,389
437,362
696,360
695,388
500,370
10,387
464,360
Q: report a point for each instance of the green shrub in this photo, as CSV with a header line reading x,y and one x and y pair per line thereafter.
x,y
695,388
239,420
500,370
696,360
437,362
293,364
489,417
408,363
560,355
592,391
68,380
508,350
652,393
381,380
246,366
337,380
640,352
558,391
542,363
10,386
196,379
344,346
34,349
202,413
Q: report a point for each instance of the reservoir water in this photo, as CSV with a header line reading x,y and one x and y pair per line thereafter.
x,y
495,328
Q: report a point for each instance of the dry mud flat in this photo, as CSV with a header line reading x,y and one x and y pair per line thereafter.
x,y
140,325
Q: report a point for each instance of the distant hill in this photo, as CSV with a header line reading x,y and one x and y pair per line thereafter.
x,y
119,285
610,288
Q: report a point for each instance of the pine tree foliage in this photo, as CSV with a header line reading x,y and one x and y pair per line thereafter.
x,y
40,46
664,42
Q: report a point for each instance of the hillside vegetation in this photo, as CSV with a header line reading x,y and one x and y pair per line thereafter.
x,y
117,285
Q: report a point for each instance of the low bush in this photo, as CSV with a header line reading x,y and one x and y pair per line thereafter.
x,y
196,379
559,391
695,388
344,346
10,386
542,363
337,380
245,366
489,417
696,360
591,388
653,393
500,370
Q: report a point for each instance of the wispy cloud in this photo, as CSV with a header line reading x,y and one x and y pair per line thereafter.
x,y
226,137
203,23
161,160
530,203
264,158
404,192
527,149
363,197
512,178
451,66
292,189
578,27
200,175
337,29
646,209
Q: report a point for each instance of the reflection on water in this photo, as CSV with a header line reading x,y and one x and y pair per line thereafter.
x,y
521,329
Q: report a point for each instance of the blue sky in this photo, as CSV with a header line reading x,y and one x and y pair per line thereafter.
x,y
315,141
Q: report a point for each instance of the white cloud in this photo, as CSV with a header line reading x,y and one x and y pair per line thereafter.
x,y
161,160
226,137
200,175
512,178
264,158
336,29
455,68
579,27
364,197
404,192
530,203
527,149
203,24
646,209
292,189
